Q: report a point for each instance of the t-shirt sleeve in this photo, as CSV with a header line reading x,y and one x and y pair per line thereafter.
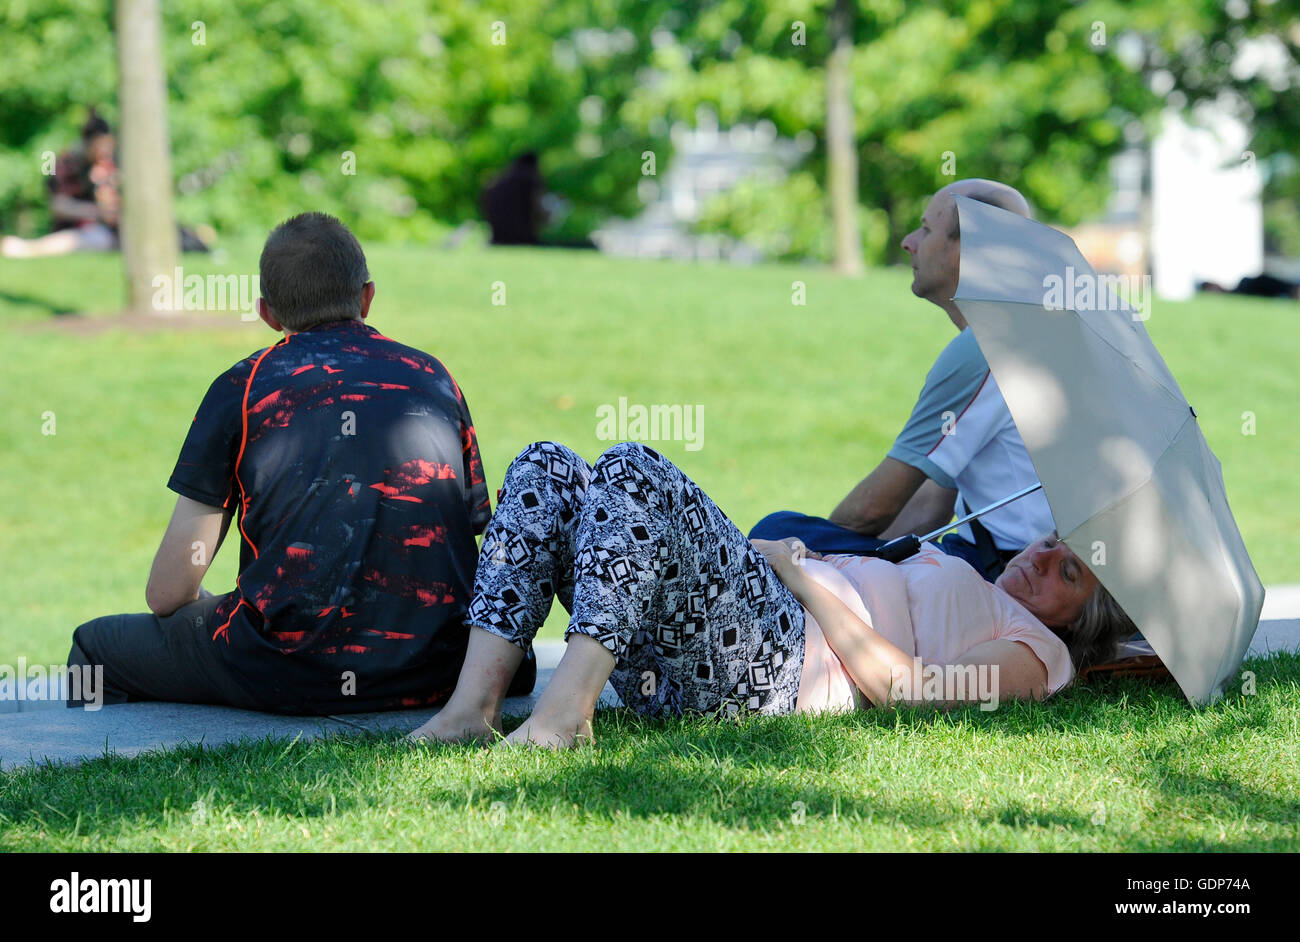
x,y
69,178
951,386
205,469
1049,649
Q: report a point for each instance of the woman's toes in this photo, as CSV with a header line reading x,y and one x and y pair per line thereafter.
x,y
550,735
444,728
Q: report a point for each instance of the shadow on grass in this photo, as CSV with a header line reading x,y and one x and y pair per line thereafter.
x,y
1198,797
42,305
1117,703
1019,816
756,774
730,777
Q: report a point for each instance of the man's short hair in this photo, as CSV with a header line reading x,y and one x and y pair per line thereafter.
x,y
313,271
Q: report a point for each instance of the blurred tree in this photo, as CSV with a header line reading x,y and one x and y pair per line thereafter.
x,y
148,225
841,149
1026,91
393,115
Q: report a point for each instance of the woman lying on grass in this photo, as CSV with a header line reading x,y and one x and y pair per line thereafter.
x,y
670,602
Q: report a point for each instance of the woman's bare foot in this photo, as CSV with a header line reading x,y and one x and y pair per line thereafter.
x,y
547,734
473,714
562,717
449,726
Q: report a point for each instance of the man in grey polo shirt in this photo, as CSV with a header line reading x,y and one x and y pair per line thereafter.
x,y
959,449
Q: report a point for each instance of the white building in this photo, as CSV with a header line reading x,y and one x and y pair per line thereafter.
x,y
1207,221
706,161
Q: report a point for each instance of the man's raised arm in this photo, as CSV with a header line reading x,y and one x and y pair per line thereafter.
x,y
193,536
930,508
878,498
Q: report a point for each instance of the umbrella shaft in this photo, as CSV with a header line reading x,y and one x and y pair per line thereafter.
x,y
979,513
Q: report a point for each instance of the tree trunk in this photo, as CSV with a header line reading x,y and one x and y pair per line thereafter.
x,y
841,143
147,220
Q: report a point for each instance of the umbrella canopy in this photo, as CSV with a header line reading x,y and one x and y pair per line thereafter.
x,y
1134,489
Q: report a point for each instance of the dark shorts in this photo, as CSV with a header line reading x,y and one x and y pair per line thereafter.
x,y
822,536
151,657
173,658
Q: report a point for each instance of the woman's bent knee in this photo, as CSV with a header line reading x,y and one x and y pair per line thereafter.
x,y
546,453
633,453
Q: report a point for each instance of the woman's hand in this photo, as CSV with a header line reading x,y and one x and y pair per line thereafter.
x,y
786,558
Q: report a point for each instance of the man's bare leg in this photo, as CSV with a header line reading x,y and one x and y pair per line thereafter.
x,y
64,242
563,714
474,710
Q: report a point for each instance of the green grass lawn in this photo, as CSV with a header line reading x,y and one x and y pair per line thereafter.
x,y
1109,767
799,402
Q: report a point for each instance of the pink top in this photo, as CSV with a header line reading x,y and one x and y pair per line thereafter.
x,y
934,606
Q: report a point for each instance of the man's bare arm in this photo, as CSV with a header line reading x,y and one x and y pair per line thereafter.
x,y
930,508
69,209
877,500
193,537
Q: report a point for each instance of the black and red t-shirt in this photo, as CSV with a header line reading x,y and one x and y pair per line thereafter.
x,y
352,465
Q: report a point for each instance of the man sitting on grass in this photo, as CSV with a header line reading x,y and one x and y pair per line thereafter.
x,y
960,446
352,465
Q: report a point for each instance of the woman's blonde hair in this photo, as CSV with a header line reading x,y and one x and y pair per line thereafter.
x,y
1094,635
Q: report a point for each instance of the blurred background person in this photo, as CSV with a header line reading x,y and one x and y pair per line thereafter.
x,y
512,203
84,198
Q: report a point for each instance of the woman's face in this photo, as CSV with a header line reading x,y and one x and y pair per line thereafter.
x,y
100,147
1049,580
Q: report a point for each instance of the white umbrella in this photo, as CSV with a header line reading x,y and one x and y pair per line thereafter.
x,y
1134,489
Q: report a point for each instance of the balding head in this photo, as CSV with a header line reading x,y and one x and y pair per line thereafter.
x,y
935,246
986,191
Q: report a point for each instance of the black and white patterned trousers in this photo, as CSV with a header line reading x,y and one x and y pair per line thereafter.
x,y
650,567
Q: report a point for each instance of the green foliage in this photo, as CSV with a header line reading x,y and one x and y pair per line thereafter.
x,y
266,110
1018,90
